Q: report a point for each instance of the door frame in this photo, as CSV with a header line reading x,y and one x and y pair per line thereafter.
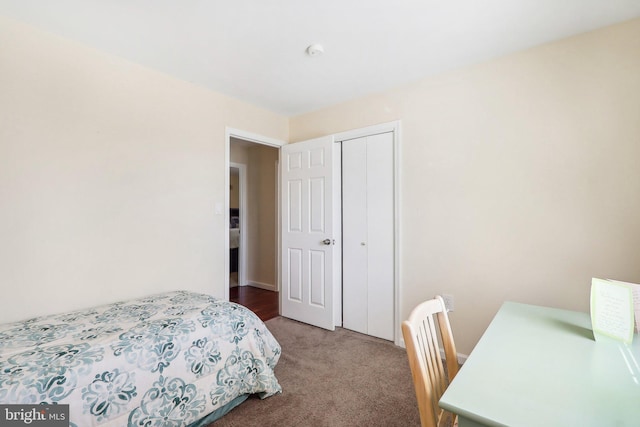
x,y
242,204
394,127
256,139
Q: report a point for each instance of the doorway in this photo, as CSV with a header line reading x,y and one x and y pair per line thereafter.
x,y
251,214
237,222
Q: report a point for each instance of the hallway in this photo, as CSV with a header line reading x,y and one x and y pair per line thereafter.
x,y
262,302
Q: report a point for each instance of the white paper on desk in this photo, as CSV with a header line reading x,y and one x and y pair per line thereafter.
x,y
611,310
635,292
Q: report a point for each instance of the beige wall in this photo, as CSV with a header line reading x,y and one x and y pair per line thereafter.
x,y
238,153
109,176
262,198
519,176
234,190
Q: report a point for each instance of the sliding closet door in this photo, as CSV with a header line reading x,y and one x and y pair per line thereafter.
x,y
367,218
355,274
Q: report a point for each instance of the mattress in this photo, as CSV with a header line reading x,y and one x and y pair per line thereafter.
x,y
164,360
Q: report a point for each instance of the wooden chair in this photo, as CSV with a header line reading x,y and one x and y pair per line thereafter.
x,y
430,378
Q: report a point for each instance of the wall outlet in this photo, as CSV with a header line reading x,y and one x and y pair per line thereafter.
x,y
448,301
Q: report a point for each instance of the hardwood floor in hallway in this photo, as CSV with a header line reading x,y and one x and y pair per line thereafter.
x,y
262,302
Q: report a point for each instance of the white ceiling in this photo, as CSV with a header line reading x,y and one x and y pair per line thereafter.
x,y
254,50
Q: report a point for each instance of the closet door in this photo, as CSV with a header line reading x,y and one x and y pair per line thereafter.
x,y
367,218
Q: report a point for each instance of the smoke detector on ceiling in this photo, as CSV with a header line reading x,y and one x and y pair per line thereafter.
x,y
315,49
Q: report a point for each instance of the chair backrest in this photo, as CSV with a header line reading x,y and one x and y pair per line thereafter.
x,y
430,378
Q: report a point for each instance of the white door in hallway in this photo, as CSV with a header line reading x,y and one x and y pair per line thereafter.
x,y
307,239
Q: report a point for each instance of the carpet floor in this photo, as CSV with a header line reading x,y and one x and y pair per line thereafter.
x,y
332,379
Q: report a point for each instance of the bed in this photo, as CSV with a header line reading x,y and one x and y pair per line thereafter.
x,y
173,359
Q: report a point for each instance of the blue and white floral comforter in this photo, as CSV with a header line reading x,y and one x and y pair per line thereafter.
x,y
166,360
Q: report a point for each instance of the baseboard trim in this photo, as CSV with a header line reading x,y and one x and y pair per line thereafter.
x,y
261,285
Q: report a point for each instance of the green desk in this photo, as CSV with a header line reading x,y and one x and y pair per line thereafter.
x,y
540,367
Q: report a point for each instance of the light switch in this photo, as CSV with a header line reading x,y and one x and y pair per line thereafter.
x,y
218,209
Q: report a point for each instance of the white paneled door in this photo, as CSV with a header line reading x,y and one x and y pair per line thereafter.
x,y
307,229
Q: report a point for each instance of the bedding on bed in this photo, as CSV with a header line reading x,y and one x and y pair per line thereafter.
x,y
165,360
